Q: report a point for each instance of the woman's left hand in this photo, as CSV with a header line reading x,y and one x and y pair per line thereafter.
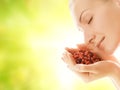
x,y
95,71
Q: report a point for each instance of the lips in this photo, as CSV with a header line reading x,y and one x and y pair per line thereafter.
x,y
96,42
100,42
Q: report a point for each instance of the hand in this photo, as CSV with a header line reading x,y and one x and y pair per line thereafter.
x,y
90,72
69,60
97,70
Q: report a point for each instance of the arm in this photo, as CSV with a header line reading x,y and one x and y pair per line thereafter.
x,y
92,72
102,69
116,76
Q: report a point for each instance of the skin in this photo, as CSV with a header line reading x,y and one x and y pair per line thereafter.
x,y
99,20
105,18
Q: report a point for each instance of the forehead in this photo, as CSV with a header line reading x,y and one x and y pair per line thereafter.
x,y
79,5
83,3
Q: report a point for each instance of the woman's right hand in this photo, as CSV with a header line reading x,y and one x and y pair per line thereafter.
x,y
69,60
91,72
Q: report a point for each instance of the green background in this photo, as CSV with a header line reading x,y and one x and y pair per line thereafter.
x,y
33,34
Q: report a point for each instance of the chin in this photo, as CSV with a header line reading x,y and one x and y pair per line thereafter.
x,y
110,48
106,51
110,51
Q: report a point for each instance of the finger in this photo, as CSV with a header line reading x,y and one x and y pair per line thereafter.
x,y
81,46
83,75
70,50
68,59
64,58
85,68
71,59
96,76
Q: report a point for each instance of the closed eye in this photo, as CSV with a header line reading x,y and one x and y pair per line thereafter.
x,y
90,20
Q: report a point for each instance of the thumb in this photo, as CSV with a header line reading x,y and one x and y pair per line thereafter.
x,y
85,68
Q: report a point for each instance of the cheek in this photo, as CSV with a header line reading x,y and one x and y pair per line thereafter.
x,y
111,43
106,21
111,30
102,24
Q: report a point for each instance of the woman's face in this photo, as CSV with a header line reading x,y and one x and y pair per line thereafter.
x,y
100,21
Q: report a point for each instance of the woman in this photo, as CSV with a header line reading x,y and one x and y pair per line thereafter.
x,y
100,22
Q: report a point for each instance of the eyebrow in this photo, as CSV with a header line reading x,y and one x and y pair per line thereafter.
x,y
82,14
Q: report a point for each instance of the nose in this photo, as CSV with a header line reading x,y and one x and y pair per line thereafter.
x,y
89,37
92,40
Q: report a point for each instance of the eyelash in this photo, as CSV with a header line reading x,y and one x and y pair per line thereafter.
x,y
90,20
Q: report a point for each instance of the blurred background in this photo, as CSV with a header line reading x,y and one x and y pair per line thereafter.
x,y
33,35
